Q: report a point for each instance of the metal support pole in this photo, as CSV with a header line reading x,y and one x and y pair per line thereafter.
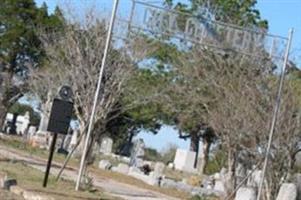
x,y
275,114
83,158
272,48
52,147
131,17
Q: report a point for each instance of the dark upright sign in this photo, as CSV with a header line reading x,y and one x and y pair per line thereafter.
x,y
59,121
60,116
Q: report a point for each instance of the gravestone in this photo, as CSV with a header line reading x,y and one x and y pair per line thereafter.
x,y
73,140
104,164
67,141
159,169
184,161
106,146
171,165
241,173
121,168
42,130
288,191
137,153
254,179
297,181
8,183
16,124
31,131
219,186
245,193
155,177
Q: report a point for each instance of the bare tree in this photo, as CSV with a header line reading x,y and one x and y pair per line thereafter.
x,y
74,57
234,95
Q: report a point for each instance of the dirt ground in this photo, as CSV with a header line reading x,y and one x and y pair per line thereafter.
x,y
107,184
6,195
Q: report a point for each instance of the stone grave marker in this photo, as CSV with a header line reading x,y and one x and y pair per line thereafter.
x,y
121,168
31,131
297,181
137,153
104,164
106,146
288,191
159,168
245,193
184,160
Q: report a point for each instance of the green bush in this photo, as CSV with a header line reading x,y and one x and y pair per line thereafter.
x,y
152,155
217,162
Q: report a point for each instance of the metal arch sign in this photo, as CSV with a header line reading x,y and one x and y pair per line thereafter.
x,y
203,31
152,19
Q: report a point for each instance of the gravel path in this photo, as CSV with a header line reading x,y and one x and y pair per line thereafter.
x,y
6,195
112,187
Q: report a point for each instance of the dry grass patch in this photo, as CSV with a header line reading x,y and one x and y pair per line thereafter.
x,y
31,179
19,145
133,181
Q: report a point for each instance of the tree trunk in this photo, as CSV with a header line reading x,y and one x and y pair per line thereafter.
x,y
5,82
69,156
231,169
194,146
3,112
46,109
9,94
205,156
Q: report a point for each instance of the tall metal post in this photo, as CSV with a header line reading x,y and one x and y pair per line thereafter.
x,y
131,17
276,111
52,148
109,36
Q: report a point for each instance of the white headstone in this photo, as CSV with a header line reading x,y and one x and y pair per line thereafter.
x,y
32,131
254,179
43,122
137,153
106,146
159,168
104,164
74,138
288,191
297,181
241,173
219,186
245,193
22,122
171,165
121,168
184,160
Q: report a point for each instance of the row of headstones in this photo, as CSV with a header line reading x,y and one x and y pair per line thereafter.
x,y
288,191
150,177
17,124
183,160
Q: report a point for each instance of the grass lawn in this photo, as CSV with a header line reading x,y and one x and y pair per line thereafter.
x,y
18,144
32,179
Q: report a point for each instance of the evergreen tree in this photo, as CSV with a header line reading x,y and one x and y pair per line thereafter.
x,y
20,46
